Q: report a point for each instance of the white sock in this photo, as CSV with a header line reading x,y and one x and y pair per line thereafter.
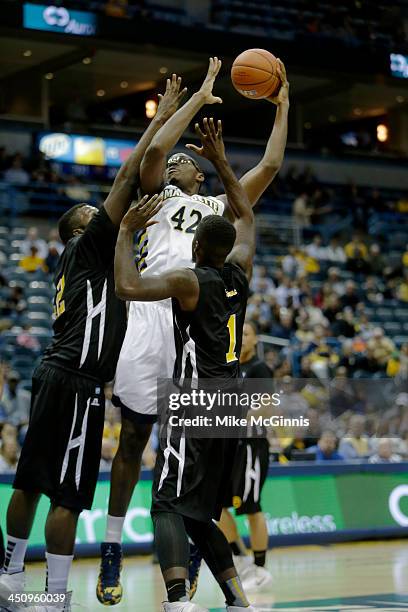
x,y
58,567
114,527
15,554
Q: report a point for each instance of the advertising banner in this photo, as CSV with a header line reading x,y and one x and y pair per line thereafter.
x,y
85,150
314,505
59,19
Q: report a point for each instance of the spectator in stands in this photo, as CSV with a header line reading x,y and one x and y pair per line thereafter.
x,y
261,282
357,253
381,347
377,260
332,307
271,359
372,289
288,293
337,285
326,449
14,303
299,443
351,297
385,453
54,241
76,191
52,259
9,453
16,175
302,210
335,252
316,249
293,404
343,326
33,262
31,240
26,340
290,263
355,444
314,315
284,327
14,401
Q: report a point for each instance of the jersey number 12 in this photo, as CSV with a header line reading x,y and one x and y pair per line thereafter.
x,y
231,355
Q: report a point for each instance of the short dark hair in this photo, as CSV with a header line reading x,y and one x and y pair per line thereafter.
x,y
69,222
216,236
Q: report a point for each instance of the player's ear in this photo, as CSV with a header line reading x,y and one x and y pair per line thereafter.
x,y
78,231
200,177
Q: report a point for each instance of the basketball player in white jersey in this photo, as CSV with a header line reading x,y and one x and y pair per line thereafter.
x,y
148,351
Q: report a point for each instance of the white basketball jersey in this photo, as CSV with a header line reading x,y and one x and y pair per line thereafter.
x,y
168,243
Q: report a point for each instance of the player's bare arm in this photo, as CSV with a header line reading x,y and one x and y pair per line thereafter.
x,y
129,284
213,149
258,179
128,178
154,161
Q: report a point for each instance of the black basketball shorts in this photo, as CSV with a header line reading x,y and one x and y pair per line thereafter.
x,y
248,475
62,449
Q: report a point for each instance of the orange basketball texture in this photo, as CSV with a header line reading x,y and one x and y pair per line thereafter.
x,y
254,74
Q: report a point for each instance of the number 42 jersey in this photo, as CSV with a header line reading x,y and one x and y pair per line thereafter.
x,y
167,244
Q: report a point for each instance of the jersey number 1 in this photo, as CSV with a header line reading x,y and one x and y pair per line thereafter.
x,y
231,355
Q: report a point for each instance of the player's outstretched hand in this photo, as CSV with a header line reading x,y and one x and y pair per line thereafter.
x,y
283,94
208,84
212,143
170,100
140,215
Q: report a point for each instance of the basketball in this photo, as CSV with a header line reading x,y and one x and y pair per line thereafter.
x,y
254,74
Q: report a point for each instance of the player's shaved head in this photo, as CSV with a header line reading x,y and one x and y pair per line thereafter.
x,y
75,221
213,241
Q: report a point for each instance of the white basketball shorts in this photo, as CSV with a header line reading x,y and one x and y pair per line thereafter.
x,y
148,353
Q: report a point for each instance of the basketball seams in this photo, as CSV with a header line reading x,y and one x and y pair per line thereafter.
x,y
258,52
260,70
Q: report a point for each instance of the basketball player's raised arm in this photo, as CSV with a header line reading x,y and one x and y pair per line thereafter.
x,y
154,161
212,148
128,178
129,284
258,179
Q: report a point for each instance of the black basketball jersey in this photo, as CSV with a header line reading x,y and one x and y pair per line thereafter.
x,y
255,368
90,321
208,339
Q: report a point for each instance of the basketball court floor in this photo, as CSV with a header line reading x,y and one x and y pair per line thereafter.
x,y
342,577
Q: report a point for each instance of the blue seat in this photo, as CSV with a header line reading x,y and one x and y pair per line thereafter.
x,y
45,292
22,362
45,307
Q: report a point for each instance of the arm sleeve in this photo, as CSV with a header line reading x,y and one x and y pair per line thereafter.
x,y
96,246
